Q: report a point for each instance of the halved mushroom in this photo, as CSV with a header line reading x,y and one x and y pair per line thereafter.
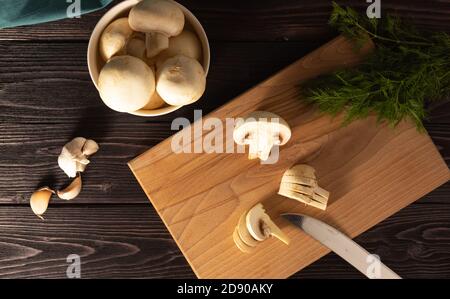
x,y
261,130
126,83
254,227
300,183
186,43
181,80
166,20
114,38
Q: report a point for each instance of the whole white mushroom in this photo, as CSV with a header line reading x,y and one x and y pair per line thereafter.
x,y
126,83
186,43
114,38
181,80
159,19
155,102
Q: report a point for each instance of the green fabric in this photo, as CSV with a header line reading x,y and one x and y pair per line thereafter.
x,y
26,12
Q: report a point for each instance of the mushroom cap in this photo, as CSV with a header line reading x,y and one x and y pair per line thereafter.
x,y
155,102
181,80
264,122
186,43
114,38
126,83
160,16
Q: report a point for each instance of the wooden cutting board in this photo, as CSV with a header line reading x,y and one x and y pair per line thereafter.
x,y
372,171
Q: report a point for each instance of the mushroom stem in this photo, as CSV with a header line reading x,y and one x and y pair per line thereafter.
x,y
254,227
261,130
271,229
155,43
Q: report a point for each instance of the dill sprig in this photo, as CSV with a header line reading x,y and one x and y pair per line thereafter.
x,y
406,69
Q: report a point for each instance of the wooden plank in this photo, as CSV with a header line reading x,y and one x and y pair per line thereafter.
x,y
129,241
34,79
371,170
40,84
269,20
114,241
39,146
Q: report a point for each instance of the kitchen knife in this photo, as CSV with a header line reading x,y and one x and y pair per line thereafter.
x,y
343,246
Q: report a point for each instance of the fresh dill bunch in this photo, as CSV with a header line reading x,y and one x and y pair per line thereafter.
x,y
405,70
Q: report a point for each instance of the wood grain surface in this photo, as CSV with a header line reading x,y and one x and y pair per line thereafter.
x,y
46,97
371,170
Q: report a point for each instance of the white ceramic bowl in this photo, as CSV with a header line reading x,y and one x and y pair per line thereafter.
x,y
95,62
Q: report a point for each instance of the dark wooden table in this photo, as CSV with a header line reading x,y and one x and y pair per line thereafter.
x,y
46,98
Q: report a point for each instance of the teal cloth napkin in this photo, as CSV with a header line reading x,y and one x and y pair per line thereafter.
x,y
26,12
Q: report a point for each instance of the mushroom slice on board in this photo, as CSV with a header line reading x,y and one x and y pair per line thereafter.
x,y
254,227
261,227
167,19
300,183
239,243
244,234
261,130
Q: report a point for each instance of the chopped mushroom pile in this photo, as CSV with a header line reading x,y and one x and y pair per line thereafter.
x,y
151,60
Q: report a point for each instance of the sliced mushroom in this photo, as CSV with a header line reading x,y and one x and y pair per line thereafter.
x,y
239,242
244,234
71,191
167,19
39,201
181,80
300,183
260,226
126,83
114,38
254,227
186,43
261,130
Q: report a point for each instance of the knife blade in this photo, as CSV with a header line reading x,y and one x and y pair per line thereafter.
x,y
342,245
